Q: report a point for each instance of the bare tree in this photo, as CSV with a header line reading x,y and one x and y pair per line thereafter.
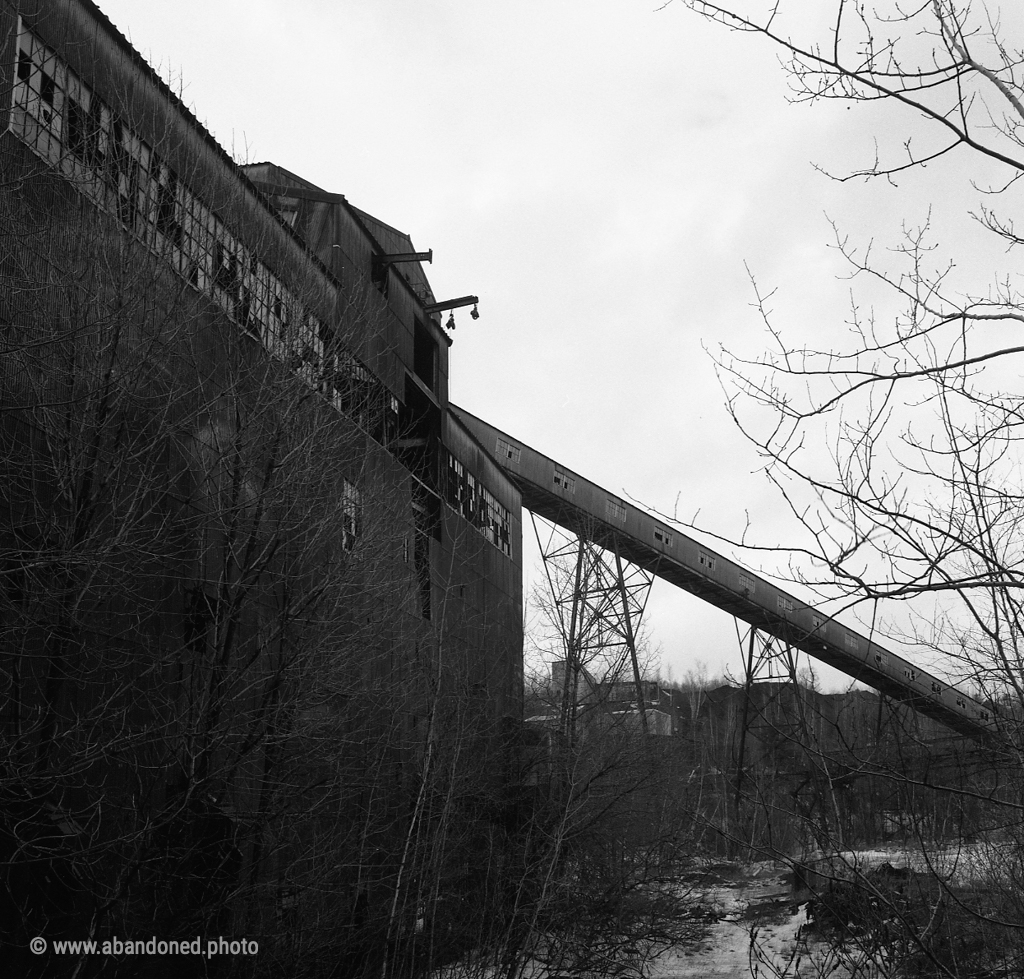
x,y
599,856
918,498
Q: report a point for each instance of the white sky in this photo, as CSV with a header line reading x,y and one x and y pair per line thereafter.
x,y
597,172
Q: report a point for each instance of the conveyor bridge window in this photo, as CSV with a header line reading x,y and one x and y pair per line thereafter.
x,y
614,510
507,451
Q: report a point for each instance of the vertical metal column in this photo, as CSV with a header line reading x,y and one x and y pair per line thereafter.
x,y
630,638
763,654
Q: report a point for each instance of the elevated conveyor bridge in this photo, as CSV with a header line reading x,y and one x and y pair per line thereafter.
x,y
562,496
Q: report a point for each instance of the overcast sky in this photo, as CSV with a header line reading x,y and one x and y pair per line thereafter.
x,y
597,172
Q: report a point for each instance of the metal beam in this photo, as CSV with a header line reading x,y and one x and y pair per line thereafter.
x,y
567,499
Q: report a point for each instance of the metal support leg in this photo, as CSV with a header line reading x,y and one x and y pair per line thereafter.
x,y
597,604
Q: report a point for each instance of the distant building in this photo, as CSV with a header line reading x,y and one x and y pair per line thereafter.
x,y
601,701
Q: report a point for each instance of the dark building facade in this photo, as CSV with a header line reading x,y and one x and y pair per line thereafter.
x,y
261,590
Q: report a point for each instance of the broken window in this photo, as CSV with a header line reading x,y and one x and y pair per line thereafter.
x,y
706,560
125,175
64,122
662,537
36,89
50,106
166,214
380,273
225,266
351,514
466,496
507,451
75,131
456,487
565,481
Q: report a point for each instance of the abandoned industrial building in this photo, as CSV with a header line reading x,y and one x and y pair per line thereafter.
x,y
241,529
261,596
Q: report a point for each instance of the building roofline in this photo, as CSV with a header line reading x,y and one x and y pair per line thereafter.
x,y
238,170
192,120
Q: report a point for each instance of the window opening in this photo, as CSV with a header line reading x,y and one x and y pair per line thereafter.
x,y
475,503
566,482
167,220
351,514
425,356
506,450
379,276
614,510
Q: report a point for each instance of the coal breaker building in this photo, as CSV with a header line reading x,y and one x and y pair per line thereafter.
x,y
260,589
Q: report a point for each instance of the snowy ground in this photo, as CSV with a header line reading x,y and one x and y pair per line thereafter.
x,y
757,927
760,933
955,863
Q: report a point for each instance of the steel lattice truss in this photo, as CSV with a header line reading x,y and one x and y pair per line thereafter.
x,y
598,601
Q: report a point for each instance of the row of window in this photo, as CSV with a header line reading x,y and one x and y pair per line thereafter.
x,y
69,126
615,510
470,498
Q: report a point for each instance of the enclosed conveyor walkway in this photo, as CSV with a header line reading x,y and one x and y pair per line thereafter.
x,y
562,496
